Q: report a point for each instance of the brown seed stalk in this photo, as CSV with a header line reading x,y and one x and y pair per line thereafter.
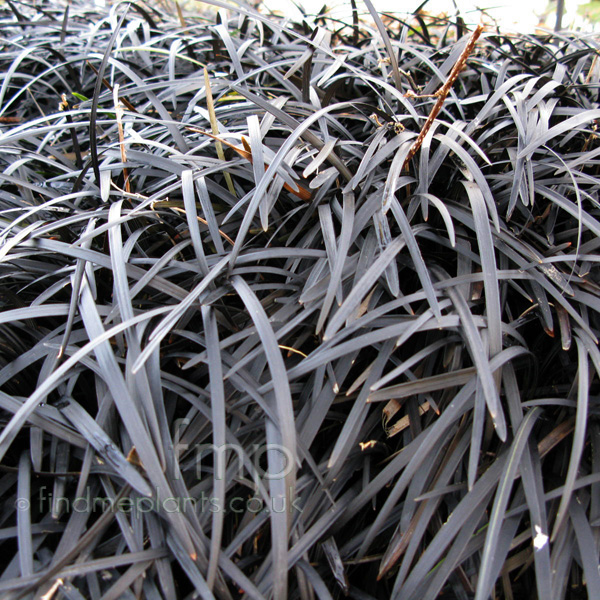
x,y
443,92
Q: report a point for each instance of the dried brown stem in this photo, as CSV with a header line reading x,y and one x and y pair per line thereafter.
x,y
443,92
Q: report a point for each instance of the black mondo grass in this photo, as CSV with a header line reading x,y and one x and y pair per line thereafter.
x,y
265,335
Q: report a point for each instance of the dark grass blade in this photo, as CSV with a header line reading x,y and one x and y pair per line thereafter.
x,y
578,435
218,409
96,98
98,439
485,581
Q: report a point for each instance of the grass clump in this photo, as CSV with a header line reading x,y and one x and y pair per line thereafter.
x,y
257,343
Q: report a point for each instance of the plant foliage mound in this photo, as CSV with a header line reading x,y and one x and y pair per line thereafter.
x,y
268,331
